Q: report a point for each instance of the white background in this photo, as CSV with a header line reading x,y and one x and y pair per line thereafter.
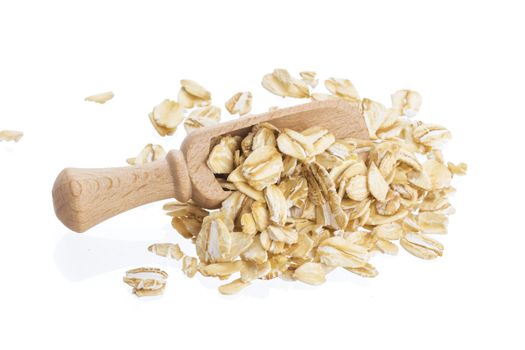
x,y
64,290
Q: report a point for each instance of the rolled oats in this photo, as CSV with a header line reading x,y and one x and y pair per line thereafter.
x,y
406,102
281,83
233,287
357,188
100,98
311,273
10,135
167,250
421,246
255,252
146,281
366,270
264,136
276,203
251,270
376,183
392,231
309,78
387,247
342,88
459,169
303,203
214,240
222,269
166,117
263,167
249,191
439,174
149,153
187,218
189,266
337,251
375,115
221,159
202,117
284,234
431,135
432,222
240,103
191,94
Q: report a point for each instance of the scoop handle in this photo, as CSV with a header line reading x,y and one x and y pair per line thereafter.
x,y
85,197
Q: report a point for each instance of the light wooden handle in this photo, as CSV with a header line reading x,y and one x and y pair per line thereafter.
x,y
85,197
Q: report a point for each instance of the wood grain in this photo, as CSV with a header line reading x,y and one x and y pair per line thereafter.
x,y
86,197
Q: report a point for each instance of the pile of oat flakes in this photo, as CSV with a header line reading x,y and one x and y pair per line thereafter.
x,y
305,203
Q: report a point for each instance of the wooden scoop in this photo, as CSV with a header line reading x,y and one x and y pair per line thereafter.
x,y
85,197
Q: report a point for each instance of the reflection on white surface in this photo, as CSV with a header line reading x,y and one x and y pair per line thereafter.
x,y
81,256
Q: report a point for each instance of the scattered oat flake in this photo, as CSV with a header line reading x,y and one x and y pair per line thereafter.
x,y
366,270
240,103
431,135
342,88
100,98
169,250
311,273
309,78
149,153
192,94
202,117
457,169
166,116
422,246
392,231
233,287
406,102
146,281
375,115
281,83
189,266
10,135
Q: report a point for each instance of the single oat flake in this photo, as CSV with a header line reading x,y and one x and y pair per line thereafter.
x,y
342,88
240,103
192,94
281,83
100,98
166,116
10,135
149,153
202,117
168,250
309,78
